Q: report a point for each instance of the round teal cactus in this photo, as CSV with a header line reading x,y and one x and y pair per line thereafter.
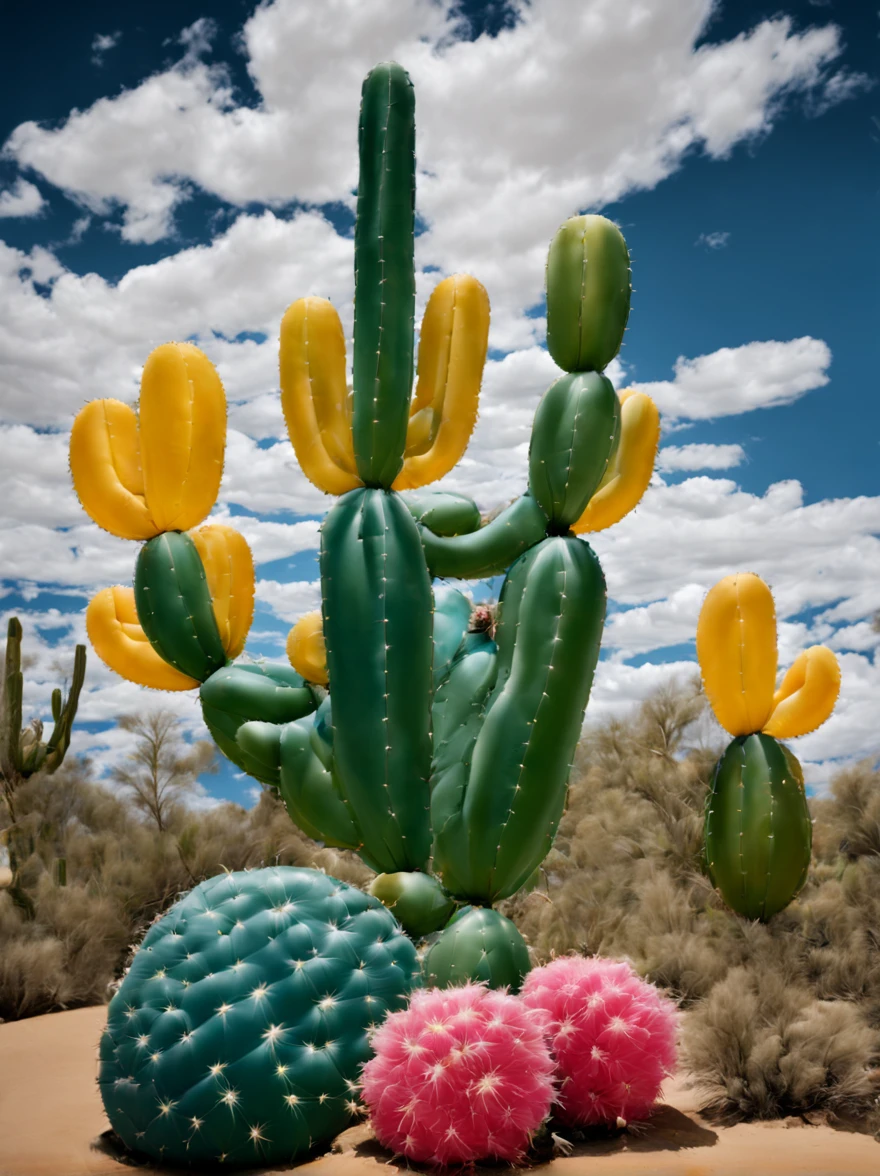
x,y
238,1034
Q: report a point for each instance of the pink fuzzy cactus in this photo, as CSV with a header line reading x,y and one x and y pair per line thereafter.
x,y
462,1074
613,1037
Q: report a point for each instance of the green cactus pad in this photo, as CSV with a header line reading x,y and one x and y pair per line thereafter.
x,y
496,828
477,944
576,430
238,1034
588,293
377,629
452,614
418,901
237,694
758,828
384,275
174,605
490,550
443,513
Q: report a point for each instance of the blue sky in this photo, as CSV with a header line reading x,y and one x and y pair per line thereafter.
x,y
179,170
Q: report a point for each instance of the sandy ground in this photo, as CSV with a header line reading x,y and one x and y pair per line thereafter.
x,y
51,1121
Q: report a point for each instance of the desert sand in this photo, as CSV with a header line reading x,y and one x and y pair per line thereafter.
x,y
52,1121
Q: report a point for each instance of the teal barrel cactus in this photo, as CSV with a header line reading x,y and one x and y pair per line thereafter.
x,y
238,1034
436,748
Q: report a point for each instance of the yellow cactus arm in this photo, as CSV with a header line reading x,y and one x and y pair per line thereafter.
x,y
306,650
182,415
452,351
807,695
736,649
229,568
121,643
629,471
105,462
314,394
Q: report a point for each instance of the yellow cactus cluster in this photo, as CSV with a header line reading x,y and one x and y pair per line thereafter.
x,y
141,474
736,649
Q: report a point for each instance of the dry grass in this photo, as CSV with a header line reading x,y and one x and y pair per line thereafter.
x,y
121,873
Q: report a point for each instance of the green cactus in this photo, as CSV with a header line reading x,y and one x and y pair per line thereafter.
x,y
758,828
447,749
441,755
238,1034
24,752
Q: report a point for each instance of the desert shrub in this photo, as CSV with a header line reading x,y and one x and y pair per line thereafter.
x,y
762,1048
122,872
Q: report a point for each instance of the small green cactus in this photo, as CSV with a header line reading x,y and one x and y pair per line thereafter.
x,y
24,752
238,1034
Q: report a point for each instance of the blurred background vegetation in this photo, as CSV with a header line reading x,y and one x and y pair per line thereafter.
x,y
778,1020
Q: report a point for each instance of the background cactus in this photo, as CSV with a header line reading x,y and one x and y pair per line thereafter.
x,y
238,1034
24,752
758,827
437,748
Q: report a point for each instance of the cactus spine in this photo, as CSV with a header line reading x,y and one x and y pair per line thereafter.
x,y
437,749
23,751
758,830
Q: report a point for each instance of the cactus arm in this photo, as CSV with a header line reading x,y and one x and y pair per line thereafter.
x,y
758,827
311,791
452,614
377,629
550,624
182,435
576,430
13,690
588,293
65,713
452,351
807,695
236,694
384,274
120,642
105,465
314,395
229,570
736,649
490,550
629,470
443,513
174,605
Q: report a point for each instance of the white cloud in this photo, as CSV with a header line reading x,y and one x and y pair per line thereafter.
x,y
737,379
22,199
102,43
508,160
699,457
716,240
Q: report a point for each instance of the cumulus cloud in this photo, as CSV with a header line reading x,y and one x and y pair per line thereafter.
x,y
737,379
500,167
21,200
699,457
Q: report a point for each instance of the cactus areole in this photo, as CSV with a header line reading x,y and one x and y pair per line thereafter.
x,y
442,751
